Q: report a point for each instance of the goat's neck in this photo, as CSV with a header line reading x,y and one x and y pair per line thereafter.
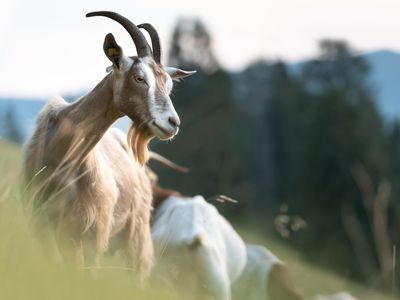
x,y
95,112
83,123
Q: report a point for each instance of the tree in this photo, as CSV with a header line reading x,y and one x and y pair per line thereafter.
x,y
191,47
208,141
346,133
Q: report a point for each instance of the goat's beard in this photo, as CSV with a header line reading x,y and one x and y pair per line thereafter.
x,y
138,140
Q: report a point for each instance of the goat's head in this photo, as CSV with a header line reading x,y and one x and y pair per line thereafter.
x,y
141,83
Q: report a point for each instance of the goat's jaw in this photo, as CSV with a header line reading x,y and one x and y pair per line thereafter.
x,y
161,132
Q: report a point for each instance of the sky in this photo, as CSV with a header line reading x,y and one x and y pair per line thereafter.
x,y
48,47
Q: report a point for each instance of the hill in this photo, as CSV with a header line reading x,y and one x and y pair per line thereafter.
x,y
385,77
28,273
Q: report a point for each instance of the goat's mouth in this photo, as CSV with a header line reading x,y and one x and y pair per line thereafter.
x,y
161,132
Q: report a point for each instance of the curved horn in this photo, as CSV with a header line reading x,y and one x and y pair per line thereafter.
x,y
137,36
155,40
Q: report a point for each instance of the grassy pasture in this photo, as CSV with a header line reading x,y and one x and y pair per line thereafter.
x,y
26,272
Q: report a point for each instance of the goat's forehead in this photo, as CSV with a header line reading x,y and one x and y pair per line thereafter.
x,y
154,73
144,66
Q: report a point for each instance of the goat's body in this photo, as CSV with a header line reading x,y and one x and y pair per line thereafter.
x,y
88,182
252,284
193,239
338,296
265,277
97,189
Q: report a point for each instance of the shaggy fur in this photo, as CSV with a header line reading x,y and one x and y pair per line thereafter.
x,y
88,182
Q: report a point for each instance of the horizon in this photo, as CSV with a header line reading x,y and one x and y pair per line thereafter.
x,y
57,50
82,90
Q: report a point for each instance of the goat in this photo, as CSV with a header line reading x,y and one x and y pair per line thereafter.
x,y
265,277
195,247
338,296
90,181
182,226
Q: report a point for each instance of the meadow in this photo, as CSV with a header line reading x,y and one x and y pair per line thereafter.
x,y
27,272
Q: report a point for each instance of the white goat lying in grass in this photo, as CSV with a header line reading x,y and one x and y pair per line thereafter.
x,y
264,277
338,296
200,252
195,246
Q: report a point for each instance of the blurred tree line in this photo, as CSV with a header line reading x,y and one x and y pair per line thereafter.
x,y
10,127
290,145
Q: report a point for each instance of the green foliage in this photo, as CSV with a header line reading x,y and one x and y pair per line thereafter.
x,y
304,143
191,46
208,138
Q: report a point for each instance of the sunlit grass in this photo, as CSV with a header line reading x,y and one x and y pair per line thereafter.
x,y
310,279
27,271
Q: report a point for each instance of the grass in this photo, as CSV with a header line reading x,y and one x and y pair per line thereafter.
x,y
310,279
26,272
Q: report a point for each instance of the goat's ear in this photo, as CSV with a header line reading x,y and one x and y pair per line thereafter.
x,y
113,51
177,74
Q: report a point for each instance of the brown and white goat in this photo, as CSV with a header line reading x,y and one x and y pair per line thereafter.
x,y
90,181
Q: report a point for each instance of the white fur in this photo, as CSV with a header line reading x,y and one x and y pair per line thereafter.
x,y
197,246
252,283
169,84
338,296
160,114
126,63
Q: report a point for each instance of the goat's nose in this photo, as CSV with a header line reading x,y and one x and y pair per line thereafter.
x,y
175,122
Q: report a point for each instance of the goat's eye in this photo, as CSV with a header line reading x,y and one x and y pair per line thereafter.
x,y
139,79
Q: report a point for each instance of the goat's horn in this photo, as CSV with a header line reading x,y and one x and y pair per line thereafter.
x,y
155,40
137,36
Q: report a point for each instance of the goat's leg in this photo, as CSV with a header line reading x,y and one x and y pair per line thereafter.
x,y
280,285
69,241
140,246
103,231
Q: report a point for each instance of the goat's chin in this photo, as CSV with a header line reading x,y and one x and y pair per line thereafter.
x,y
164,137
161,133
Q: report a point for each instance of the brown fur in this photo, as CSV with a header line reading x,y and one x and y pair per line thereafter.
x,y
87,182
139,141
160,195
280,285
160,76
